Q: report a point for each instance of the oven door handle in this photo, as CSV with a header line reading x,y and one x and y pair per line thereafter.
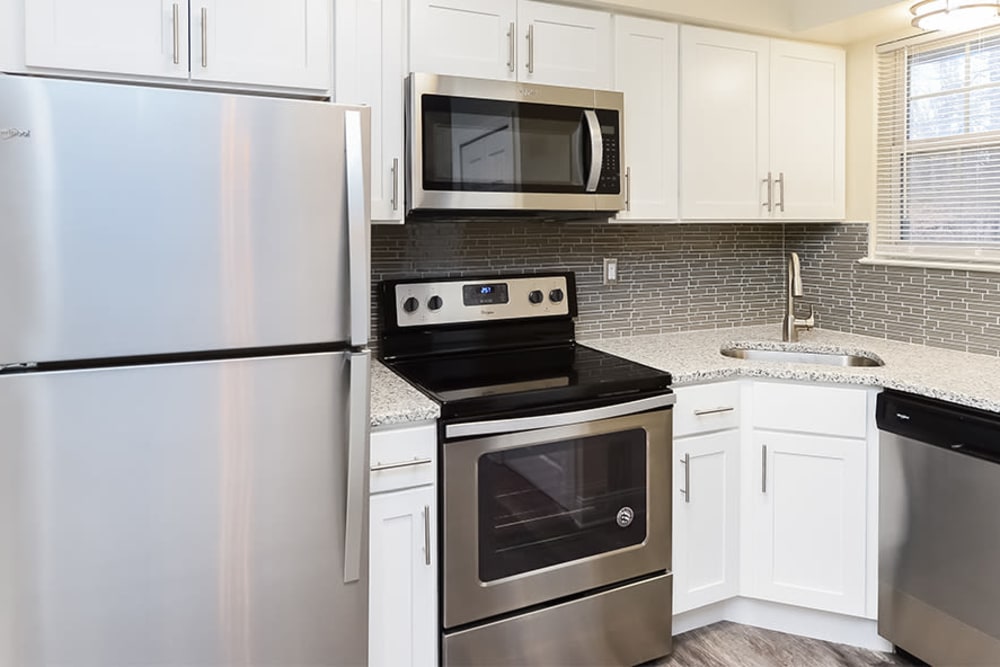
x,y
515,424
596,149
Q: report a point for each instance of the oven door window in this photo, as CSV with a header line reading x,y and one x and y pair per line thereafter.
x,y
557,502
499,146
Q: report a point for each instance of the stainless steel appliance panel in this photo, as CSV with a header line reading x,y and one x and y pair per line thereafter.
x,y
623,626
939,544
140,220
468,598
184,514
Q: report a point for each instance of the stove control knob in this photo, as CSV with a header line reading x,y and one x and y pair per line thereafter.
x,y
556,295
535,296
411,304
435,303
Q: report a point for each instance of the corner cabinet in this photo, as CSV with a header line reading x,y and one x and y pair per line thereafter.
x,y
646,72
403,623
247,42
371,69
516,40
763,128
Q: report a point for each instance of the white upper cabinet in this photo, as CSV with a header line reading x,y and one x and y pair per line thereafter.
x,y
807,130
510,39
724,94
246,43
564,46
646,54
136,37
474,38
261,42
371,68
763,128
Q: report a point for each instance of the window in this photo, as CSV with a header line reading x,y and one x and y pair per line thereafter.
x,y
939,152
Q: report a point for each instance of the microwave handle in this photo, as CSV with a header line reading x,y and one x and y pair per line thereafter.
x,y
596,149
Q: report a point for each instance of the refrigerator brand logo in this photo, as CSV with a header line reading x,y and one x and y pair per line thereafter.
x,y
14,133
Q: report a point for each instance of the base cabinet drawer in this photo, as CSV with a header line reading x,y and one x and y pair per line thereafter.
x,y
707,407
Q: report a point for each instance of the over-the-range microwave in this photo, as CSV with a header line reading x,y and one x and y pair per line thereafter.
x,y
479,148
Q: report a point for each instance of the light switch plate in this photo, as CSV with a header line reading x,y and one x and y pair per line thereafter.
x,y
610,271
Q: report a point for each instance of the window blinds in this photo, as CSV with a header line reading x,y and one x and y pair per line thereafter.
x,y
938,138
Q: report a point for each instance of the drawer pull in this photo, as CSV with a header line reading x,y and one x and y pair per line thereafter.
x,y
713,411
400,464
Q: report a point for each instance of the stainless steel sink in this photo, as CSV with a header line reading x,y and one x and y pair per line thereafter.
x,y
801,357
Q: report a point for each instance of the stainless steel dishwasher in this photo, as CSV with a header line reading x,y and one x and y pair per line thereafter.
x,y
939,530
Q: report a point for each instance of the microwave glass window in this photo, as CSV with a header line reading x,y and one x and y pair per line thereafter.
x,y
498,146
547,504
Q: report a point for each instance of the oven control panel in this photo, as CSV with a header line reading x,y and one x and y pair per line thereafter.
x,y
465,300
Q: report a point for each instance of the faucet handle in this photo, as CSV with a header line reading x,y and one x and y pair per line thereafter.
x,y
809,322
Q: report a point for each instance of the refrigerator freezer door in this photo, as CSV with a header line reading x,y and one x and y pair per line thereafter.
x,y
141,220
183,514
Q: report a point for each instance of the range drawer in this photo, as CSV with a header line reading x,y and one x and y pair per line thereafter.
x,y
403,457
706,407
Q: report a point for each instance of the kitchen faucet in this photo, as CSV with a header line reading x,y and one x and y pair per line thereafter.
x,y
790,325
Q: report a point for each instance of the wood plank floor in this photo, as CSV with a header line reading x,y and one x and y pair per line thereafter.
x,y
728,644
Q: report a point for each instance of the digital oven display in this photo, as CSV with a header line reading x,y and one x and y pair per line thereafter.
x,y
486,294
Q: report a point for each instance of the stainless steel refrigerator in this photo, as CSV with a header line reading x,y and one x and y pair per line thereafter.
x,y
184,309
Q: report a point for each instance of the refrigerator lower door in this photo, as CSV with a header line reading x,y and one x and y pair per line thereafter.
x,y
182,515
140,220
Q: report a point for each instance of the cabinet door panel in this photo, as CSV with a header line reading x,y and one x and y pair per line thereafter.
x,y
724,96
118,36
371,57
403,628
706,519
807,129
811,522
260,42
646,71
464,37
568,46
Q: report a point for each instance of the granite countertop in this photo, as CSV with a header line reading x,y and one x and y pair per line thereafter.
x,y
693,357
395,401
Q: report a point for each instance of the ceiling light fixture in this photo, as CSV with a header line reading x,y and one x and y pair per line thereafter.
x,y
955,15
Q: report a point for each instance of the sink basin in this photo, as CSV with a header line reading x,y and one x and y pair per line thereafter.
x,y
801,357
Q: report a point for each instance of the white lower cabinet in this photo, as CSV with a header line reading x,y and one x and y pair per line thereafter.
x,y
706,546
403,558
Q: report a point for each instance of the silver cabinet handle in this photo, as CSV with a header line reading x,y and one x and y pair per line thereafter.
x,y
511,39
687,478
596,149
531,48
359,272
400,464
781,191
763,469
713,411
395,184
357,454
177,34
628,188
427,534
204,37
768,182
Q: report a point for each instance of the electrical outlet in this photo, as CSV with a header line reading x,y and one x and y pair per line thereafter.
x,y
610,271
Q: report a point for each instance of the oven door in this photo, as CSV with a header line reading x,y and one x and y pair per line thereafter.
x,y
497,145
537,515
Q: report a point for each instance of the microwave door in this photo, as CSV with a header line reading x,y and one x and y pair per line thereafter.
x,y
593,132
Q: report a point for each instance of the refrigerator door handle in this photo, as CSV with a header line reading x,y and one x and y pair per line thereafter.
x,y
357,229
357,464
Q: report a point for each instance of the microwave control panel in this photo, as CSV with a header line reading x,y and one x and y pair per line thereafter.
x,y
611,170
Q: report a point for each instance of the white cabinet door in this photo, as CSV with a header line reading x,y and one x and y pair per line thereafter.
x,y
646,71
564,46
371,68
261,42
403,595
137,37
810,521
464,37
807,112
706,545
724,116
